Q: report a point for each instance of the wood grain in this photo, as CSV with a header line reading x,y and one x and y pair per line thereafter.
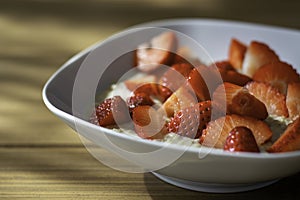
x,y
42,158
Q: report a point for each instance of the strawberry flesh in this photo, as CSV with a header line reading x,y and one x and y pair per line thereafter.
x,y
112,111
241,139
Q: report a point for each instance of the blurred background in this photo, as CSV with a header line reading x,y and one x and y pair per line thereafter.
x,y
38,36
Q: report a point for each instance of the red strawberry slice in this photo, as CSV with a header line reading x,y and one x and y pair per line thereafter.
x,y
217,131
190,121
289,140
153,89
139,99
274,101
236,53
241,139
112,111
293,100
176,76
277,74
148,122
204,80
231,75
180,99
240,101
160,50
257,55
134,83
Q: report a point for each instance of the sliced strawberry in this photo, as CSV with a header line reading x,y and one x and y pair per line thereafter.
x,y
217,131
289,140
180,99
277,74
204,80
112,111
134,83
148,123
241,139
293,100
236,54
176,76
139,99
160,50
257,55
240,101
184,55
186,120
223,65
270,96
230,74
153,89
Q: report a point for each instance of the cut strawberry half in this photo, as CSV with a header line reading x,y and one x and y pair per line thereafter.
x,y
186,122
148,122
139,99
218,130
155,90
241,139
230,74
180,99
176,76
277,74
160,50
204,80
293,100
112,111
257,55
236,53
270,96
184,55
240,101
289,140
190,122
134,83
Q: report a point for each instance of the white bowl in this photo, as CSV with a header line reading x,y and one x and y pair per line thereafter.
x,y
218,171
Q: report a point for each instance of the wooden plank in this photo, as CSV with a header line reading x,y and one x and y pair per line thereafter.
x,y
71,173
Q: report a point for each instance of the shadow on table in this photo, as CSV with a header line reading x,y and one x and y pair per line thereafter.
x,y
287,188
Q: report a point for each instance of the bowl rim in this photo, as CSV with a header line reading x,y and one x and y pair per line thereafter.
x,y
191,149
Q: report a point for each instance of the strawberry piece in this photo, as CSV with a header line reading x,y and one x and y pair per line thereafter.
x,y
241,139
293,100
185,123
190,122
203,86
230,74
277,74
134,83
176,76
184,55
217,131
289,140
257,55
236,53
223,65
139,99
148,123
274,101
153,89
240,101
160,50
180,99
112,111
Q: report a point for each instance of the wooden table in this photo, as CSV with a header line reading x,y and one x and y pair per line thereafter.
x,y
40,157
